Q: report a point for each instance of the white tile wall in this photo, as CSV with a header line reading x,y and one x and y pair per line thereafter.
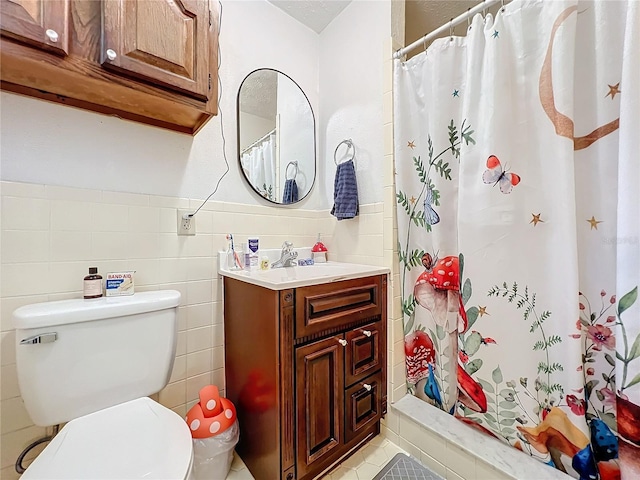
x,y
397,373
50,235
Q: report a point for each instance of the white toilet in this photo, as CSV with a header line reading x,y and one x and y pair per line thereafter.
x,y
92,363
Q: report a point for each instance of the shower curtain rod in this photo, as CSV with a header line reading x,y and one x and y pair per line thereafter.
x,y
264,137
455,21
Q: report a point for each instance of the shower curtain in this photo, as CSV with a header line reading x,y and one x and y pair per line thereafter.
x,y
259,163
517,181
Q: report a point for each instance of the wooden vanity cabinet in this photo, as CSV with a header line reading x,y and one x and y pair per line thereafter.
x,y
151,61
306,369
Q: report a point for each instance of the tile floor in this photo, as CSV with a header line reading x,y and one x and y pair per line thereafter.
x,y
362,465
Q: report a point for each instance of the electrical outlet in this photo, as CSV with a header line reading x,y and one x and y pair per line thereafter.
x,y
186,224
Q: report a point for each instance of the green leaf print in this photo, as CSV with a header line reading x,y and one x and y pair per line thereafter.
x,y
472,343
635,349
625,354
486,386
627,300
472,316
403,200
466,134
422,174
526,302
440,332
435,193
497,375
633,381
408,327
473,366
415,257
409,305
466,291
609,359
443,169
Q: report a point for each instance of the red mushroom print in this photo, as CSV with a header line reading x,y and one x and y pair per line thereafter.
x,y
438,290
471,394
419,353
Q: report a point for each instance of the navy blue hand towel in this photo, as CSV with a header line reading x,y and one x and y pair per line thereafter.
x,y
345,192
290,194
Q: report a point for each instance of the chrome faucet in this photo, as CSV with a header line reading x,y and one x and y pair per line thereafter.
x,y
287,256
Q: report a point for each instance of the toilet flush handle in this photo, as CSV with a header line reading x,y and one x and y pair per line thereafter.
x,y
41,338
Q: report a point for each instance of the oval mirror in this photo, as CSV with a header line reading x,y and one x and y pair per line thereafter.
x,y
276,136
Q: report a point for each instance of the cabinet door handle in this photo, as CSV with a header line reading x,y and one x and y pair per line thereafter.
x,y
367,387
111,54
367,333
342,342
52,35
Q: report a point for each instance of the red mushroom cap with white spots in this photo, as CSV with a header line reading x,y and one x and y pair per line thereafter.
x,y
445,274
419,353
212,415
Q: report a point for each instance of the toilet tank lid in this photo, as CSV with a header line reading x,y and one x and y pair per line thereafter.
x,y
64,312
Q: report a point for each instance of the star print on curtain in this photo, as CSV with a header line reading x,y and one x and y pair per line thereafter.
x,y
518,230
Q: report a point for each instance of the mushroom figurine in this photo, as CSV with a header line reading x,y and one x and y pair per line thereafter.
x,y
470,392
419,353
438,290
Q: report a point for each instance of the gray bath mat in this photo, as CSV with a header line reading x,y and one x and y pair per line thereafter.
x,y
402,467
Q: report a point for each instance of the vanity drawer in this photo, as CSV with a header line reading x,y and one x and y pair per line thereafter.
x,y
326,306
364,352
363,405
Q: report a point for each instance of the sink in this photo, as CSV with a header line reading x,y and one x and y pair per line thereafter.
x,y
300,276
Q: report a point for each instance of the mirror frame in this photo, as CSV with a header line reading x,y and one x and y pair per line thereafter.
x,y
315,144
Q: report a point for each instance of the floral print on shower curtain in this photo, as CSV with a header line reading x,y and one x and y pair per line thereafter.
x,y
519,230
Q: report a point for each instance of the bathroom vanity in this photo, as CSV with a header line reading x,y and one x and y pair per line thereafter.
x,y
305,361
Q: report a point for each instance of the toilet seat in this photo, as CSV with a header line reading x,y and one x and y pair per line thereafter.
x,y
139,439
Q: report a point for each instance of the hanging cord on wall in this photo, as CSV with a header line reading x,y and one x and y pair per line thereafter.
x,y
19,468
224,141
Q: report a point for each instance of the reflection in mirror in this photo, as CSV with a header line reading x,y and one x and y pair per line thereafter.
x,y
276,136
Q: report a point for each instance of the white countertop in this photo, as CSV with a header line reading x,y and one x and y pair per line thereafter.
x,y
302,276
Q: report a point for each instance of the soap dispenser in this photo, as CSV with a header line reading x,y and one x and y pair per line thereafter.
x,y
319,252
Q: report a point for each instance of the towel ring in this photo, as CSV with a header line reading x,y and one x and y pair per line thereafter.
x,y
349,144
295,171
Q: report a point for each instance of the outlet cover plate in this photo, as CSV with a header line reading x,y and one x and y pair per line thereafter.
x,y
186,226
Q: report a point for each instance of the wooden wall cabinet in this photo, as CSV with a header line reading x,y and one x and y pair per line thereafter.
x,y
151,61
306,369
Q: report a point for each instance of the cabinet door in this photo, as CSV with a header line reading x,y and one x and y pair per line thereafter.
x,y
41,23
319,399
165,42
363,405
364,352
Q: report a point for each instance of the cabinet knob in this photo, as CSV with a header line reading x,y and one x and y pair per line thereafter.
x,y
342,342
111,54
366,333
52,35
367,387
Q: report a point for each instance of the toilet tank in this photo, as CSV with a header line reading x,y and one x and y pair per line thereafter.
x,y
75,357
